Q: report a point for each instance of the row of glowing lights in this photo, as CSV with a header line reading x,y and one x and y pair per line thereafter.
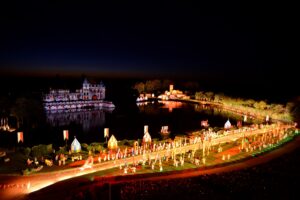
x,y
40,185
87,165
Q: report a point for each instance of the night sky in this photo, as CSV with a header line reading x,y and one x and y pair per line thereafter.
x,y
227,42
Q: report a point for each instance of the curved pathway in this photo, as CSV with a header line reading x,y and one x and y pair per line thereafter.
x,y
58,190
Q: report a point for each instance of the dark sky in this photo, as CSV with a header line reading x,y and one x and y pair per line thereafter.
x,y
211,41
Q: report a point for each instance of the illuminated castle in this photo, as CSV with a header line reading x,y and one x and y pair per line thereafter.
x,y
87,92
90,95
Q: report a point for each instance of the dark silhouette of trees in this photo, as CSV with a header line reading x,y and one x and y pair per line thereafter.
x,y
5,105
294,108
27,111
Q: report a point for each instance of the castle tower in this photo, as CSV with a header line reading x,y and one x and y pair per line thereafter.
x,y
85,89
171,88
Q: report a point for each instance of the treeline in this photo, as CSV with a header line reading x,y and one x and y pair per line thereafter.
x,y
288,112
21,111
160,86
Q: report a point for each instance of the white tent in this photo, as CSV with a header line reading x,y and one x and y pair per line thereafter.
x,y
147,138
112,142
227,125
75,146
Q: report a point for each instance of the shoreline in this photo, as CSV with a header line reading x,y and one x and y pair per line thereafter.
x,y
232,109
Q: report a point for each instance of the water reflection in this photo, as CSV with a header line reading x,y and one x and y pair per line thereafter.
x,y
152,107
212,110
192,111
171,105
88,118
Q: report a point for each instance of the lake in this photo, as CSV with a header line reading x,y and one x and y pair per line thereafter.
x,y
125,122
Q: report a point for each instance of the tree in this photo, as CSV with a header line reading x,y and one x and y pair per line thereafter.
x,y
18,111
165,85
239,101
209,95
199,95
140,87
217,98
27,112
152,85
289,106
279,108
4,106
249,102
260,105
294,109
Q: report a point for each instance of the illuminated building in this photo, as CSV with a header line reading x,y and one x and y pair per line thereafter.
x,y
90,95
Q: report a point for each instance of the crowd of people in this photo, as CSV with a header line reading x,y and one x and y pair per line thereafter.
x,y
276,179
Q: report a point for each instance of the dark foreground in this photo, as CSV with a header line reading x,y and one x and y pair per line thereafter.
x,y
274,179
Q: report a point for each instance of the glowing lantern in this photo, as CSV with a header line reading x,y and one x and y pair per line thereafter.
x,y
20,137
106,132
66,134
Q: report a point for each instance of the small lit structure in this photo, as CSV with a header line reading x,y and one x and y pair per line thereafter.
x,y
106,133
20,137
145,97
75,146
173,94
267,118
112,142
239,124
171,87
227,125
136,146
147,140
145,129
245,118
204,123
4,124
164,130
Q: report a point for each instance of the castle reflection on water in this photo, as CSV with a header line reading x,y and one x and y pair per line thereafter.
x,y
88,118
